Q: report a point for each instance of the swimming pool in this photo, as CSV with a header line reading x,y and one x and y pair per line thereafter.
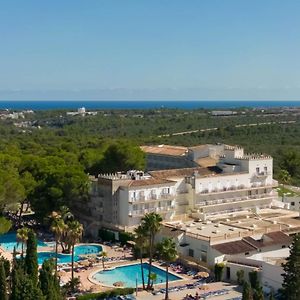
x,y
128,275
67,258
9,240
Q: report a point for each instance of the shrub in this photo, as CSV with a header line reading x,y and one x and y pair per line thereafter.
x,y
107,294
106,235
240,276
124,237
219,271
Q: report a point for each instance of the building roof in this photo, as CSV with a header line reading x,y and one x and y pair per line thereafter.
x,y
271,238
206,161
151,181
248,243
181,172
165,150
199,147
235,247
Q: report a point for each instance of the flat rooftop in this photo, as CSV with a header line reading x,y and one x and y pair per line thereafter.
x,y
183,172
238,225
165,150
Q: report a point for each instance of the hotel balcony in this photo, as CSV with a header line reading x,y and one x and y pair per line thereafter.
x,y
142,212
152,198
256,197
229,207
240,188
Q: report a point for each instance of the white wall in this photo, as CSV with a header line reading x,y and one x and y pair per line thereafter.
x,y
271,276
221,181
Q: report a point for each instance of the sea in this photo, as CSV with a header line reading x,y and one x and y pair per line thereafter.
x,y
142,104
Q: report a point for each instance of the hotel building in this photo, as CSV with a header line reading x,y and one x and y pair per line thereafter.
x,y
237,182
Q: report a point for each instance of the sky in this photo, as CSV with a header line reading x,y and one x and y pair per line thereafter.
x,y
157,49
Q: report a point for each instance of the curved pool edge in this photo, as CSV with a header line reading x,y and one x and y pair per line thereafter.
x,y
92,280
68,254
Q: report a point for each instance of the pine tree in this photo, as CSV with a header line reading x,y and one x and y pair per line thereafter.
x,y
291,275
247,293
17,275
254,282
3,288
29,290
49,282
31,263
258,294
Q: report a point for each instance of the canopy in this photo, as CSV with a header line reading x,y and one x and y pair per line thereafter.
x,y
119,283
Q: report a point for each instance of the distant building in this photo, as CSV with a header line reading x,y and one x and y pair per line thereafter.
x,y
223,113
81,112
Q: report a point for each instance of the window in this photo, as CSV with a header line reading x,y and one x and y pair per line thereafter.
x,y
257,170
247,253
191,252
266,170
166,191
293,203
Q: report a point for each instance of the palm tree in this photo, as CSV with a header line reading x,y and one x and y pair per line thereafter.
x,y
58,227
153,277
74,234
167,252
141,244
103,254
152,222
65,213
22,236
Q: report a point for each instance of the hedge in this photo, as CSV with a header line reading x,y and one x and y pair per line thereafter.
x,y
107,294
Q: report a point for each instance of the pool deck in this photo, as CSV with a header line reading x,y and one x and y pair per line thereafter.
x,y
233,292
125,258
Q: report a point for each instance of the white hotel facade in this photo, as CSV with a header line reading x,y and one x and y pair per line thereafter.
x,y
238,182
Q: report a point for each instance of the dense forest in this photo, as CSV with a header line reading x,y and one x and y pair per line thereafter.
x,y
45,158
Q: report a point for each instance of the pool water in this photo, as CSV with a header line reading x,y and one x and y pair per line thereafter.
x,y
9,240
129,274
67,258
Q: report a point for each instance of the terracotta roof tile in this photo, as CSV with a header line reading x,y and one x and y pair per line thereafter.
x,y
268,239
151,181
181,172
235,247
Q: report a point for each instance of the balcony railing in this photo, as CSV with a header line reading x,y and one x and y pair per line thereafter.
x,y
236,199
141,212
234,189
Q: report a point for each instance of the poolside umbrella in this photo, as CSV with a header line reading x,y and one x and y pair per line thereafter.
x,y
203,274
85,263
94,288
204,287
119,283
